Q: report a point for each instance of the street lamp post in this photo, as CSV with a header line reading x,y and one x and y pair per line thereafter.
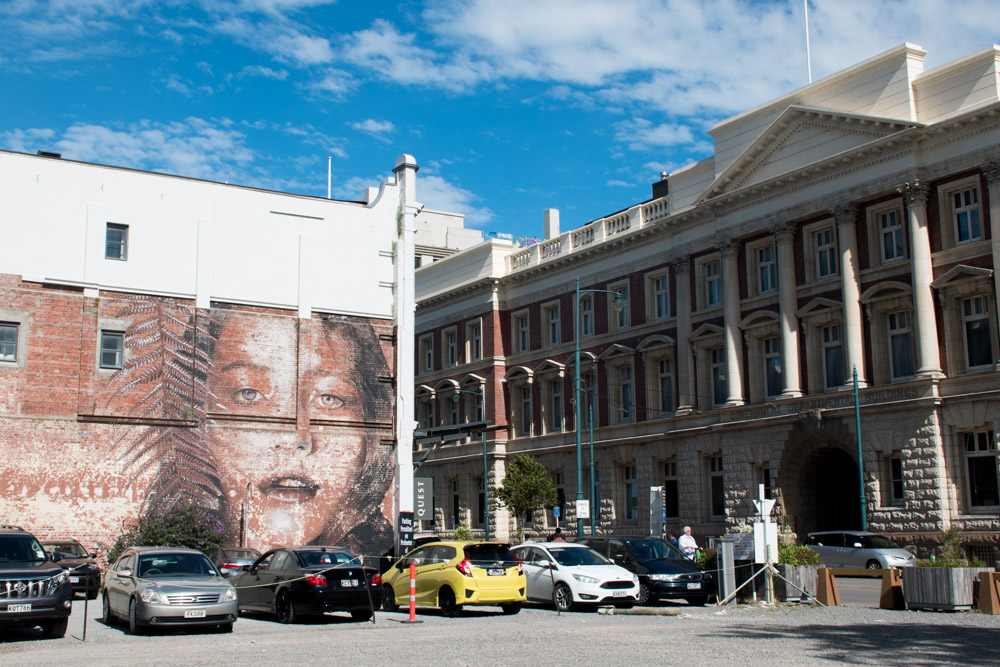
x,y
481,394
619,302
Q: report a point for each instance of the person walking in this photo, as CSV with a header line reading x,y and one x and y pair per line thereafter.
x,y
687,544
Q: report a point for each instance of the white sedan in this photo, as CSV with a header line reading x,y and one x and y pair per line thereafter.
x,y
568,574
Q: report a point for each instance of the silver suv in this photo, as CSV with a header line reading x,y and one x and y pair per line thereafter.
x,y
856,548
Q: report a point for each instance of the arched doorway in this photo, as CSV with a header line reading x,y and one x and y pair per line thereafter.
x,y
838,498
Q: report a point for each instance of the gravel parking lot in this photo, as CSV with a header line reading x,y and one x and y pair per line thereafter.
x,y
754,635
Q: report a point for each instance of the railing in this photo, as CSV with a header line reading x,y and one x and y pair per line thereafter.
x,y
551,248
617,224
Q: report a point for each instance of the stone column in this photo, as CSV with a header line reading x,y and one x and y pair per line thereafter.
x,y
924,321
992,173
788,304
731,310
685,365
847,237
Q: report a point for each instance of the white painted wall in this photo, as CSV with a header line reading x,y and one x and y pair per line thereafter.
x,y
958,86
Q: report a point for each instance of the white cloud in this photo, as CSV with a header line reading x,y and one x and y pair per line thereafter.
x,y
642,134
265,72
26,141
436,193
377,128
618,184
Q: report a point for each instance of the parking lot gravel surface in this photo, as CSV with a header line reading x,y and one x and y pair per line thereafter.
x,y
783,635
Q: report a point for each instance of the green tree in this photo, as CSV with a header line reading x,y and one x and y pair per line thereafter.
x,y
526,488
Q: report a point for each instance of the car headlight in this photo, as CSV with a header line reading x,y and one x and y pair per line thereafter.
x,y
151,597
663,577
635,578
58,581
229,595
584,579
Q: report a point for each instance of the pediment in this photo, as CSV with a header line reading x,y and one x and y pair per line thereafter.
x,y
798,142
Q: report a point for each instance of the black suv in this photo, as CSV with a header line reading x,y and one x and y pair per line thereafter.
x,y
33,589
84,572
664,572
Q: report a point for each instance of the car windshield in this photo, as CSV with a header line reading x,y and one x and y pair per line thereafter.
x,y
156,566
653,550
68,548
20,548
578,556
321,558
489,554
878,542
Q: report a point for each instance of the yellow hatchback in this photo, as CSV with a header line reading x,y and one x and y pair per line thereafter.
x,y
451,575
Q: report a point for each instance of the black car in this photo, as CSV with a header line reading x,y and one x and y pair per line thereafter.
x,y
34,590
234,558
294,582
84,572
664,572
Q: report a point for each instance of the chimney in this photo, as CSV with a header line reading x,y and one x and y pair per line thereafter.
x,y
551,223
662,187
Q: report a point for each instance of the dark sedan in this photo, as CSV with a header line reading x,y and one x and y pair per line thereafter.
x,y
84,572
295,582
664,572
234,558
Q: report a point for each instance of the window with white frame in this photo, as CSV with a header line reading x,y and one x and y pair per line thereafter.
x,y
976,328
473,402
112,349
718,364
900,344
453,411
556,405
833,357
891,238
659,295
474,341
116,242
427,353
8,341
671,489
626,409
631,507
716,486
665,385
427,412
525,411
712,281
521,332
772,366
587,315
895,466
825,247
965,214
982,480
451,347
552,325
765,261
619,314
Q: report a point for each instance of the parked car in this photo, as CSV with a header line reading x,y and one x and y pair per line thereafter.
x,y
34,590
164,586
83,571
234,558
856,548
295,582
664,572
568,574
452,575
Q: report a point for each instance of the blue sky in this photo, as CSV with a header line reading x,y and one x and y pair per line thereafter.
x,y
510,106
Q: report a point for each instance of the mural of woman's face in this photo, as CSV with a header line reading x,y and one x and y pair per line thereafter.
x,y
294,467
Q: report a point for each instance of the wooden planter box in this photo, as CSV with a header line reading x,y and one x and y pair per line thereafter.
x,y
802,576
947,588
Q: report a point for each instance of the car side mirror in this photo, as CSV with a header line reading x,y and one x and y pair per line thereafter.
x,y
544,563
225,571
125,573
93,554
857,545
56,556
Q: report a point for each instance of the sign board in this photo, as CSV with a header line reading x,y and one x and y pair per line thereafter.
x,y
582,509
742,545
765,533
405,528
657,511
556,511
423,498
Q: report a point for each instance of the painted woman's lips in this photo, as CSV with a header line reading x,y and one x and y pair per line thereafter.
x,y
290,489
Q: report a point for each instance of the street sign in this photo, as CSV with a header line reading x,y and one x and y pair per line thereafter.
x,y
556,511
583,509
405,531
423,498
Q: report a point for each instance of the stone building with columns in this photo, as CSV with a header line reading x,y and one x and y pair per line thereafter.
x,y
850,226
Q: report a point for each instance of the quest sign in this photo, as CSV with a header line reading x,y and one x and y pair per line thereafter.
x,y
423,498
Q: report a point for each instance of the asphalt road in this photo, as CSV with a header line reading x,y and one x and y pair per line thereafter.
x,y
788,634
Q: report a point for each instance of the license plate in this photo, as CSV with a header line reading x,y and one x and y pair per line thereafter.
x,y
496,572
13,608
348,583
694,587
194,613
620,594
74,580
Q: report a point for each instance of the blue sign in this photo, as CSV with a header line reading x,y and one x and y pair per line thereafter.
x,y
556,511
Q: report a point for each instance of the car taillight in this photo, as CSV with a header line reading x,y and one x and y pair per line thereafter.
x,y
231,566
377,580
316,580
465,567
520,567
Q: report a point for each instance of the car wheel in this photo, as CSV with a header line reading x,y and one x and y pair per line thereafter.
x,y
446,600
698,601
361,614
92,594
225,627
389,599
109,618
873,565
562,597
643,594
284,609
511,608
55,628
133,619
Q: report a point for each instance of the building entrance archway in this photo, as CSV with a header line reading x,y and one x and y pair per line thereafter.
x,y
821,490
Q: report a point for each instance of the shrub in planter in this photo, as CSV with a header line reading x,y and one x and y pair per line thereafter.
x,y
180,525
948,582
797,565
462,532
797,555
707,559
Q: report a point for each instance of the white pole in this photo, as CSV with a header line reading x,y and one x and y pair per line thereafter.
x,y
329,176
809,65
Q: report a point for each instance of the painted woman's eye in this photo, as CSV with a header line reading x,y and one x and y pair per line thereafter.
x,y
247,395
330,401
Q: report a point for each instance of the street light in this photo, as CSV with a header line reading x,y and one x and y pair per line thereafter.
x,y
617,304
481,394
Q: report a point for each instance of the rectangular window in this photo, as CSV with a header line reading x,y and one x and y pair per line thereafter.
x,y
474,342
826,253
525,411
8,341
451,348
891,235
427,353
587,315
900,345
965,209
631,495
716,486
767,269
981,465
625,393
976,325
112,349
453,409
665,373
559,480
671,506
661,298
896,480
833,357
552,316
522,333
428,408
765,479
116,242
623,318
555,393
713,284
719,391
456,510
772,366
